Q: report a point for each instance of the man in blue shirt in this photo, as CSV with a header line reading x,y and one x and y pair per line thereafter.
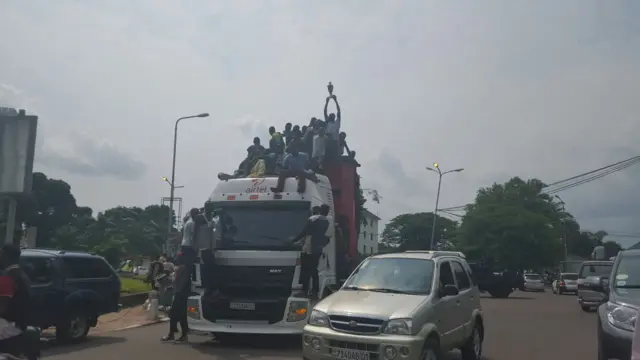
x,y
295,164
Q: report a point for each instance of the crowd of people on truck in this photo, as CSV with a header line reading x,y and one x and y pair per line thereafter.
x,y
296,151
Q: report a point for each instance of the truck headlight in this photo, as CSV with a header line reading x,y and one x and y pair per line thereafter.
x,y
297,311
399,327
318,318
621,317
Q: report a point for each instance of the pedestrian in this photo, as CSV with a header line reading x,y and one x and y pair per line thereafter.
x,y
314,240
188,252
178,312
20,305
10,334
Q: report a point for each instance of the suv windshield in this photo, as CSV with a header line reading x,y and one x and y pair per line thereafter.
x,y
260,227
628,272
595,270
393,275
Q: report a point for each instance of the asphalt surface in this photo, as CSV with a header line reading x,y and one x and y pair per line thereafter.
x,y
526,326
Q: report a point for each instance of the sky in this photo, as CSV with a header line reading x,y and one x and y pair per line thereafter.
x,y
544,89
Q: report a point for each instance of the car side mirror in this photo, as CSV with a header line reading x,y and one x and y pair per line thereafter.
x,y
449,290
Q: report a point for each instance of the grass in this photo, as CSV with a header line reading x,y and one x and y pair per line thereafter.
x,y
130,285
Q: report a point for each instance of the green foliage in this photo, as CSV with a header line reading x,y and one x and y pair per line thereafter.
x,y
116,233
133,285
413,232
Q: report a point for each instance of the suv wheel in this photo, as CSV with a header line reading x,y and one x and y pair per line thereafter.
x,y
431,350
472,350
75,328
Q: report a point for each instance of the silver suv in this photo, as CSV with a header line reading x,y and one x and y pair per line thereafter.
x,y
405,306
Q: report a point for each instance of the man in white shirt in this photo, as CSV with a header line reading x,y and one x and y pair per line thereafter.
x,y
324,211
333,122
188,253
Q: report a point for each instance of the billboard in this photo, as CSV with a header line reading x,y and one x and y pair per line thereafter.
x,y
17,148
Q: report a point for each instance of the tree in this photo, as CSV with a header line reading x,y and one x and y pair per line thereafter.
x,y
413,231
515,225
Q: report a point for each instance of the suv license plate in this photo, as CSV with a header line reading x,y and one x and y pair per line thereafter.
x,y
344,354
242,306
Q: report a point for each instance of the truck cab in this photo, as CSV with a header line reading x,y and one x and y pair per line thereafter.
x,y
246,278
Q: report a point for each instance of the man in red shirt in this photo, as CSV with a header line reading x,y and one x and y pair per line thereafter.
x,y
10,335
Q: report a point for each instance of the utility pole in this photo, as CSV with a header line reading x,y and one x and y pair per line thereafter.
x,y
436,169
564,223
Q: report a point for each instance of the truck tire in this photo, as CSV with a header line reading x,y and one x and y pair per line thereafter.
x,y
74,327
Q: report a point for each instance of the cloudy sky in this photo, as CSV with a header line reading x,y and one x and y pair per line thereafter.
x,y
502,88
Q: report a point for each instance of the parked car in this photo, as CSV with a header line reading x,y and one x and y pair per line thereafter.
x,y
565,282
617,316
70,290
533,282
591,272
411,305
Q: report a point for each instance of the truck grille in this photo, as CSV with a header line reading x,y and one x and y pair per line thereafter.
x,y
356,325
255,282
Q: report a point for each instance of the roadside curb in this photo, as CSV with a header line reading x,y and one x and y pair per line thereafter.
x,y
149,323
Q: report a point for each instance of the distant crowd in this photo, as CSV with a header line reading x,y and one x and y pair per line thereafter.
x,y
296,151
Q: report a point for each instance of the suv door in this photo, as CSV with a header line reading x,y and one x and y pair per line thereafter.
x,y
466,298
93,276
446,308
45,288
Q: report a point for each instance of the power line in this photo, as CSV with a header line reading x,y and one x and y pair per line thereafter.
x,y
569,183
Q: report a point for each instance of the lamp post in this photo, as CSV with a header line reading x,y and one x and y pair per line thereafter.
x,y
436,169
173,172
170,183
564,222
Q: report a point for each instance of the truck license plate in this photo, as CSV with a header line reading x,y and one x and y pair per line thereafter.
x,y
344,354
242,306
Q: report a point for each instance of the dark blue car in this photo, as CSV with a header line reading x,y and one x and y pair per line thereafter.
x,y
70,290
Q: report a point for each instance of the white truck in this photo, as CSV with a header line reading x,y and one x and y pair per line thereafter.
x,y
251,287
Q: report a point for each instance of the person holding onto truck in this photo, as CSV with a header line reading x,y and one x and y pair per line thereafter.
x,y
178,312
187,252
315,239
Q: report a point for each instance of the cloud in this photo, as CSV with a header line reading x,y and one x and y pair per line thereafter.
x,y
480,85
83,156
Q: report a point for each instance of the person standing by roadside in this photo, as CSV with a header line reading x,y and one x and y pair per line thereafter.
x,y
178,312
20,306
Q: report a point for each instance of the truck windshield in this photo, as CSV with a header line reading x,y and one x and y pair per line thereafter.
x,y
260,227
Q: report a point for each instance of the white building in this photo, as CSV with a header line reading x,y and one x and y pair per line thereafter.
x,y
368,239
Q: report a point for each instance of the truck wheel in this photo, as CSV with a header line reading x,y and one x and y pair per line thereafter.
x,y
74,328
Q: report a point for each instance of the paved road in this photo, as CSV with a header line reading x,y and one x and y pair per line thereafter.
x,y
527,326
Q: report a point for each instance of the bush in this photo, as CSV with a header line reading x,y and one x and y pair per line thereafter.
x,y
131,285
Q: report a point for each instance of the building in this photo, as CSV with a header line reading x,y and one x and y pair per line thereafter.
x,y
368,239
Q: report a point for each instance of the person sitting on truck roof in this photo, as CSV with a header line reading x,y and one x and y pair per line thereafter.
x,y
287,133
255,150
315,241
342,145
276,143
295,164
319,142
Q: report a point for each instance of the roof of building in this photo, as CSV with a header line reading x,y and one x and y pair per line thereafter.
x,y
369,215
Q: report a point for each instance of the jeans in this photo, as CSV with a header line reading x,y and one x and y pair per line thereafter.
x,y
178,314
309,272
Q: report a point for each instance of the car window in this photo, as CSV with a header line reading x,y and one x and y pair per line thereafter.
x,y
87,268
39,270
627,273
446,274
404,275
461,276
595,270
570,276
533,277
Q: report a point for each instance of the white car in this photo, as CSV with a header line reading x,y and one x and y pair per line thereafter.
x,y
533,282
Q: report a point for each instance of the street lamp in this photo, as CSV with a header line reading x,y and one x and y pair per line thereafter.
x,y
173,171
169,182
436,169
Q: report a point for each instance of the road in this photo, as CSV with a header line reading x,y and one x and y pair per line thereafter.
x,y
526,326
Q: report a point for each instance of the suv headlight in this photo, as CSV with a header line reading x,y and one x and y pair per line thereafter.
x,y
318,318
399,327
621,317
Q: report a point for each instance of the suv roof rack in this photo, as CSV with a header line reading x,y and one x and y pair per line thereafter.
x,y
438,253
